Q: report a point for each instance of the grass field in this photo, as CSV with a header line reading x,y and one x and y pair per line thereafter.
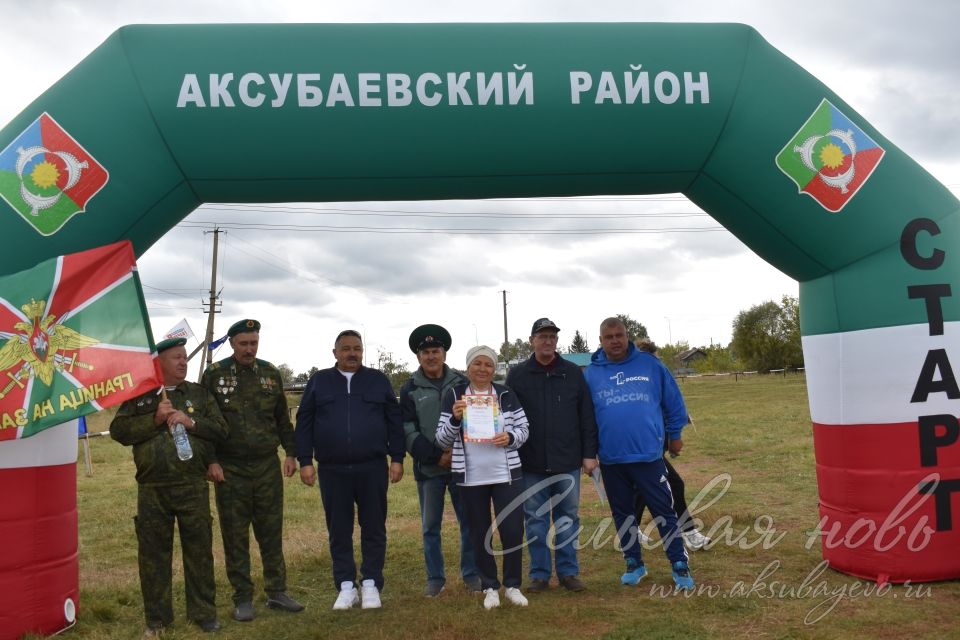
x,y
752,437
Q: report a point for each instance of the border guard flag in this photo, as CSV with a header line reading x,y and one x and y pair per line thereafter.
x,y
74,339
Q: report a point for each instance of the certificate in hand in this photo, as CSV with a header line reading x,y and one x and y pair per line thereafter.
x,y
481,419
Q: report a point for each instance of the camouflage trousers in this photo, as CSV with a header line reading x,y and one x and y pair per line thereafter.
x,y
157,508
252,494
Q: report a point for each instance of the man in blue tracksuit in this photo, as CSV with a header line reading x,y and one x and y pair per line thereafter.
x,y
638,405
349,422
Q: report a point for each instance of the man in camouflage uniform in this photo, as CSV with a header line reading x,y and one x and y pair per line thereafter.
x,y
171,489
249,487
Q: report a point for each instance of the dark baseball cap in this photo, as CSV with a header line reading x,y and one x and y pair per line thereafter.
x,y
543,323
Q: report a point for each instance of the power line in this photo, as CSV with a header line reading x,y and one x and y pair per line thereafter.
x,y
396,213
263,226
172,292
153,305
551,199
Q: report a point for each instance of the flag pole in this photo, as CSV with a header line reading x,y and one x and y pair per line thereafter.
x,y
87,460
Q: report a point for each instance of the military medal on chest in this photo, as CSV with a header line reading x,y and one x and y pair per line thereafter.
x,y
189,406
227,385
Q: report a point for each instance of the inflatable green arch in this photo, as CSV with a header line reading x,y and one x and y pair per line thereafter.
x,y
160,119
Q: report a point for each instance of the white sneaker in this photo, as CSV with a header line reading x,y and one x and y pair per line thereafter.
x,y
492,599
347,597
515,597
370,595
695,540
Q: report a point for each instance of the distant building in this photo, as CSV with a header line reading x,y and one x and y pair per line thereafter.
x,y
582,360
500,374
687,358
690,356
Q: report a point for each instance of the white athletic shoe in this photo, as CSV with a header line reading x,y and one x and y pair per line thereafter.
x,y
515,597
347,597
492,599
695,540
370,595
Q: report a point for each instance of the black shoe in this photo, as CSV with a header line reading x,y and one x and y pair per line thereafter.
x,y
571,583
243,612
284,602
473,584
538,586
209,626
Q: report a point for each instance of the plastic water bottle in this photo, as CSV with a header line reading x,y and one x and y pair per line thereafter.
x,y
180,439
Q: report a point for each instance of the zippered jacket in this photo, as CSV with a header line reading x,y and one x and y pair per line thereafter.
x,y
637,403
514,422
420,408
559,409
335,427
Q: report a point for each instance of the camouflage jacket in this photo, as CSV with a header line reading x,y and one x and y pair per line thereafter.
x,y
252,401
154,453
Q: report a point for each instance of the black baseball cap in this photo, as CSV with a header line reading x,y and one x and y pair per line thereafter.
x,y
543,323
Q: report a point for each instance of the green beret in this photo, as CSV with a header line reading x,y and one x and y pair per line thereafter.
x,y
243,326
169,343
429,335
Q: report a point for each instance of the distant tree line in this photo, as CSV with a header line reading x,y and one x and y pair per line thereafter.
x,y
765,336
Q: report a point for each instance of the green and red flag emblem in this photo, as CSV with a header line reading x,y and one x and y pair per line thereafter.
x,y
830,157
47,177
74,339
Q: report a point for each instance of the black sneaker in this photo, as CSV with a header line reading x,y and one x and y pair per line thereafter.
x,y
283,602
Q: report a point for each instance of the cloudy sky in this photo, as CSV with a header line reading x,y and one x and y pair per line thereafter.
x,y
386,267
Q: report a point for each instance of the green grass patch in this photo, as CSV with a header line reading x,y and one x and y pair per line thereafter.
x,y
752,442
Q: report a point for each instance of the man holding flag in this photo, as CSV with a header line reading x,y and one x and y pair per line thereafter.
x,y
74,339
170,488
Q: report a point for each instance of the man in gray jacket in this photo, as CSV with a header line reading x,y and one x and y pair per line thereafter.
x,y
562,442
420,399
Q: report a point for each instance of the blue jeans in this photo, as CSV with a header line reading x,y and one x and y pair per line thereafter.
x,y
555,496
431,493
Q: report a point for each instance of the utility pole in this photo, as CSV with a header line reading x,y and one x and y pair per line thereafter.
x,y
208,337
505,338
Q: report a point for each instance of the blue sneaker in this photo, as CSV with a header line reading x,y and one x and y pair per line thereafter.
x,y
681,576
634,574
